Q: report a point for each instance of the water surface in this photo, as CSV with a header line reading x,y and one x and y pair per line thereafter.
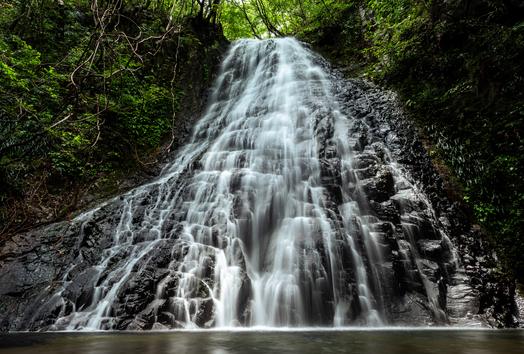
x,y
410,341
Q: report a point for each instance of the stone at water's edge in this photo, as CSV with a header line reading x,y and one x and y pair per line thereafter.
x,y
302,199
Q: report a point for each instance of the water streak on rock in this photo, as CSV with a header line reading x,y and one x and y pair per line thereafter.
x,y
290,206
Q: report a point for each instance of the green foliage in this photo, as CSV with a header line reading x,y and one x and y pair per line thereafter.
x,y
79,98
206,73
144,115
395,31
240,19
266,18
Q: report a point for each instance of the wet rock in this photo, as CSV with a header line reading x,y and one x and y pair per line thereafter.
x,y
146,318
357,144
372,192
430,269
205,313
431,249
384,180
80,291
407,202
463,307
386,211
324,129
367,173
417,226
166,318
412,310
159,327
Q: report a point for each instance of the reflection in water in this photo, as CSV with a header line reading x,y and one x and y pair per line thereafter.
x,y
309,341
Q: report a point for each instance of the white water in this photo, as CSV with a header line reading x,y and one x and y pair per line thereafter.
x,y
268,238
267,143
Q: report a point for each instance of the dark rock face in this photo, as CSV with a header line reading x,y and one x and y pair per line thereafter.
x,y
134,264
471,294
466,287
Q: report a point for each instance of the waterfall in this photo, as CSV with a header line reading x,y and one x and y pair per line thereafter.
x,y
289,207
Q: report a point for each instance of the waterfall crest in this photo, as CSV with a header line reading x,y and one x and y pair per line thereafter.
x,y
290,206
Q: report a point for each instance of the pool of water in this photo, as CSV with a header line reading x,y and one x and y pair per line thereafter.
x,y
406,341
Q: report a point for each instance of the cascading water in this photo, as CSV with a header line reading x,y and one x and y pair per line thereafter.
x,y
287,208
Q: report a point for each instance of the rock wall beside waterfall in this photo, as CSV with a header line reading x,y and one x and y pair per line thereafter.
x,y
368,238
473,293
